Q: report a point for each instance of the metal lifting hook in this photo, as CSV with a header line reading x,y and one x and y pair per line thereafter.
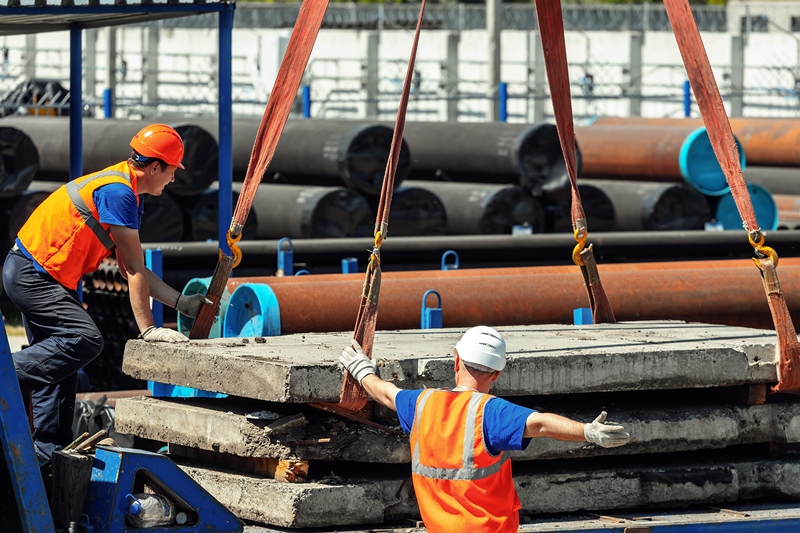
x,y
580,235
235,250
757,240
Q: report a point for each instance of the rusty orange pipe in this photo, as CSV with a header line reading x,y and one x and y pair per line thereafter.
x,y
720,292
766,141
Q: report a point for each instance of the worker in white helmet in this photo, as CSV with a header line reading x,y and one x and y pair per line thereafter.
x,y
460,436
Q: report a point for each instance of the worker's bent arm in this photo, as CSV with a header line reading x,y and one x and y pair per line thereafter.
x,y
381,391
158,289
553,426
131,260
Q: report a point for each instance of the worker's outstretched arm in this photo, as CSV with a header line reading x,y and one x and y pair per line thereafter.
x,y
131,264
563,428
364,369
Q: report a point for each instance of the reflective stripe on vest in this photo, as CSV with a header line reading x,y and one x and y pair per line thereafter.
x,y
73,190
467,470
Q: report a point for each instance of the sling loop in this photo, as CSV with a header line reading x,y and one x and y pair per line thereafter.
x,y
280,103
353,397
722,140
551,29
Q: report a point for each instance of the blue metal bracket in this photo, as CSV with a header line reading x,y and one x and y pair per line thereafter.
x,y
454,264
285,258
118,472
431,317
349,265
18,452
154,261
582,316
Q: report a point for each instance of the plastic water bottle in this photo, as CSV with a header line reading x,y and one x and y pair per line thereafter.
x,y
150,510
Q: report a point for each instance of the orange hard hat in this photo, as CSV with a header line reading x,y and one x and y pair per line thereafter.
x,y
159,141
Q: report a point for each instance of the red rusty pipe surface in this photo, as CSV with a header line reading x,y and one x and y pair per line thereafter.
x,y
766,141
720,292
631,150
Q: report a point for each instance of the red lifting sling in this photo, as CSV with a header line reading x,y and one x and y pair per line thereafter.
x,y
715,119
551,28
279,105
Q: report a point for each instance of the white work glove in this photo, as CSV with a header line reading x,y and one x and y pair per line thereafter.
x,y
190,305
605,435
154,334
357,363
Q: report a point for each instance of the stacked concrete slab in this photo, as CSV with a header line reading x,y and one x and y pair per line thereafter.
x,y
693,397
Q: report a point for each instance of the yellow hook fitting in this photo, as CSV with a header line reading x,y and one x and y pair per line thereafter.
x,y
576,252
237,253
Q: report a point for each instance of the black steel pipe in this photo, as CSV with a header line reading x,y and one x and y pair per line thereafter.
x,y
416,211
295,211
525,154
479,208
652,206
597,207
162,219
19,160
201,216
321,152
106,142
777,180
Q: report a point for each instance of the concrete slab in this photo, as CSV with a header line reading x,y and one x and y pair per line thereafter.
x,y
350,502
221,426
543,359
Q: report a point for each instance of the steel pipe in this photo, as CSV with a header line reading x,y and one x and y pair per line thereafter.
x,y
477,208
201,216
639,206
321,152
653,153
767,141
416,211
106,142
788,211
597,207
723,292
777,180
20,160
523,154
162,219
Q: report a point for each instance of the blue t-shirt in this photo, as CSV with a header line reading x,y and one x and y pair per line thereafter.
x,y
503,421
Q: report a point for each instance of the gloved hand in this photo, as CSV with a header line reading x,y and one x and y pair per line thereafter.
x,y
357,363
154,334
190,305
606,435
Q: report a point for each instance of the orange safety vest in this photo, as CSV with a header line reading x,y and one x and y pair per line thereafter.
x,y
64,234
460,486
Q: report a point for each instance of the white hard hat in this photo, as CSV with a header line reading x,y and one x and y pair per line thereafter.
x,y
483,345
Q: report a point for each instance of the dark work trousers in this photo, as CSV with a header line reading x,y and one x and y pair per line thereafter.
x,y
63,339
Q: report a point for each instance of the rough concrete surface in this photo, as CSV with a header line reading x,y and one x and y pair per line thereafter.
x,y
222,427
542,359
350,502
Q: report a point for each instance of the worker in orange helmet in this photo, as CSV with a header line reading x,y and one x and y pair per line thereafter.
x,y
67,236
460,436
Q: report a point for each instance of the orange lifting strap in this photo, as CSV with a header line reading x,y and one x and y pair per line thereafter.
x,y
279,105
551,28
354,397
719,130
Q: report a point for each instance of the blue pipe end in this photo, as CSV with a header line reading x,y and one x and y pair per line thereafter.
x,y
699,165
253,311
763,204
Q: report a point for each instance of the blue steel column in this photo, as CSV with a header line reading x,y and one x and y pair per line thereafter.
x,y
225,126
75,102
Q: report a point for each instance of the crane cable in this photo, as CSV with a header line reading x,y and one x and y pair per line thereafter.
x,y
551,29
723,142
353,397
281,100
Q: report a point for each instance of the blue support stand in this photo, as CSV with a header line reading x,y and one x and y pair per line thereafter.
x,y
18,452
225,141
154,261
582,316
454,264
502,94
431,317
75,102
349,265
306,101
687,99
118,472
285,258
108,103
